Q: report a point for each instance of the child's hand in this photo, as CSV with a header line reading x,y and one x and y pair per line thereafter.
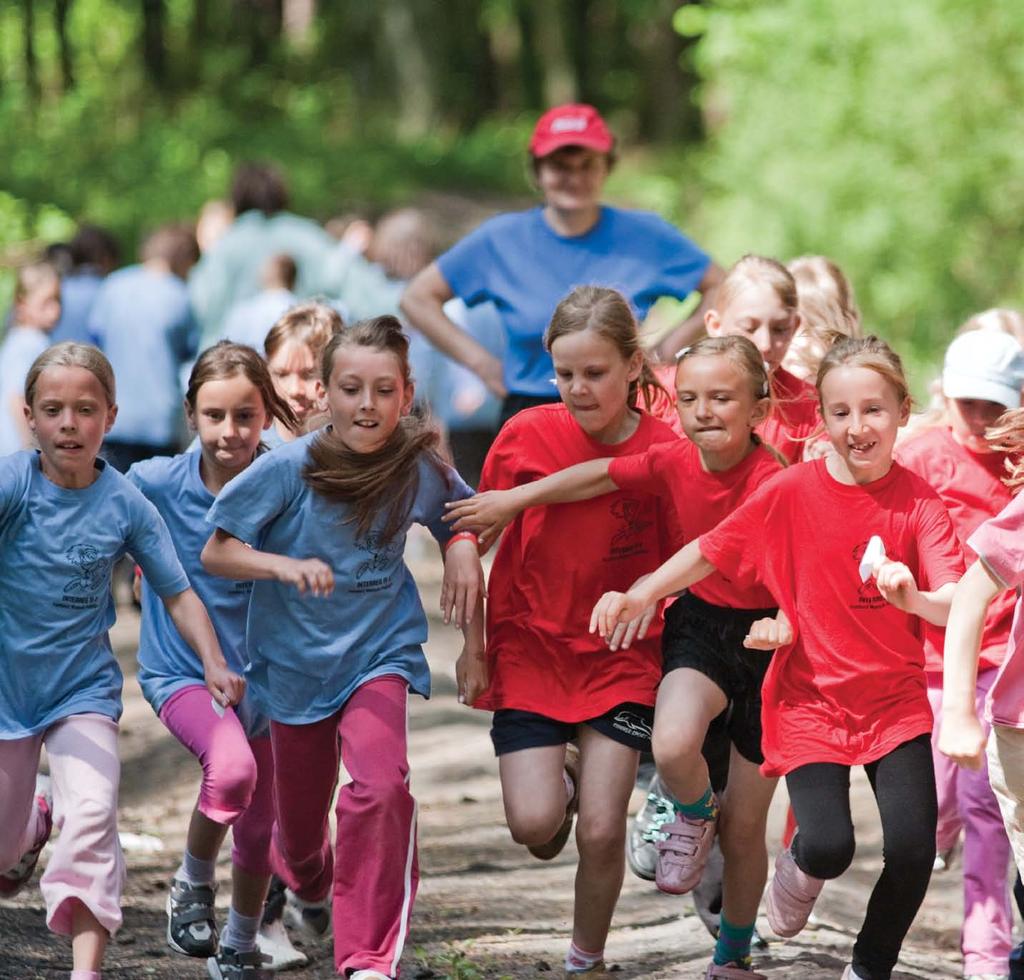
x,y
487,514
962,738
307,574
612,609
471,674
769,633
225,685
896,583
635,629
463,582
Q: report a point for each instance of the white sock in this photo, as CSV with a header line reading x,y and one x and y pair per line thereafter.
x,y
85,975
196,871
240,932
577,960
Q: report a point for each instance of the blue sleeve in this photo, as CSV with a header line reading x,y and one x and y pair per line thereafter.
x,y
465,265
151,546
12,480
437,487
256,496
682,264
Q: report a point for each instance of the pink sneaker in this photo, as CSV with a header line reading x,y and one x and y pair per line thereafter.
x,y
14,879
791,896
682,853
732,971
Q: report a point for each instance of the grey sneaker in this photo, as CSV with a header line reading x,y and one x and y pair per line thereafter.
x,y
641,839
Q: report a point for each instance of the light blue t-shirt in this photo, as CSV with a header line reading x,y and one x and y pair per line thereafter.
x,y
249,320
58,548
308,654
518,262
167,663
142,321
20,348
78,292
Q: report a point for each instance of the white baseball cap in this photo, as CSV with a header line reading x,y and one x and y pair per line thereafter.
x,y
984,364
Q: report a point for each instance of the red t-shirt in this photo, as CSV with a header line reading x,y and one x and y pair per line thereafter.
x,y
701,500
794,418
555,562
852,685
971,486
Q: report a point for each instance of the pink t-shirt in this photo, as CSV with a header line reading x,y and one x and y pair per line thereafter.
x,y
999,543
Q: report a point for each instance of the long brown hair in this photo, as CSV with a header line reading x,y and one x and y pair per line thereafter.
x,y
226,360
382,482
608,314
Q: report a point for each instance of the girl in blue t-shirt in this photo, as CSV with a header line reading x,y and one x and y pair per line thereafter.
x,y
335,634
65,520
230,402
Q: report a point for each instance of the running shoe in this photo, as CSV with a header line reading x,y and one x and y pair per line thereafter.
x,y
191,922
597,970
273,940
311,919
552,848
13,880
732,971
791,896
945,859
641,837
683,850
230,964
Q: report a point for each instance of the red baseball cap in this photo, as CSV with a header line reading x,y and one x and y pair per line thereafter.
x,y
570,125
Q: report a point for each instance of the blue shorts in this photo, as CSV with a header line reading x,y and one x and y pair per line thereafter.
x,y
628,724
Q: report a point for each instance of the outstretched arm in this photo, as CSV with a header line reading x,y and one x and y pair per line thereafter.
x,y
961,736
229,557
896,583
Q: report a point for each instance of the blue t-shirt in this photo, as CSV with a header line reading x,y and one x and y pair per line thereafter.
x,y
59,547
20,348
518,262
143,322
78,292
308,654
166,662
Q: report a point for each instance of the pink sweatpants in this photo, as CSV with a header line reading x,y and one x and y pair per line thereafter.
x,y
376,873
966,801
86,864
238,773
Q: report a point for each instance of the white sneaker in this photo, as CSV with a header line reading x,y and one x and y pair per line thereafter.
x,y
987,976
944,860
277,949
369,975
311,919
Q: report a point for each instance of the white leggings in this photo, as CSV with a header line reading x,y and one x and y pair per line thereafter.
x,y
86,864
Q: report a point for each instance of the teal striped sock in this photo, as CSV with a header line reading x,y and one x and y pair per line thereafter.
x,y
706,808
733,944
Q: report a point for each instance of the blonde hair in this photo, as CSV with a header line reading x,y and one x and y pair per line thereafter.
x,y
33,276
757,270
311,324
741,351
607,313
998,318
827,310
867,352
1007,436
72,354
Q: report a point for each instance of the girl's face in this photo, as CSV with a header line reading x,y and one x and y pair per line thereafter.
x,y
229,417
366,396
40,307
593,381
295,371
571,179
69,417
862,412
717,406
757,313
969,418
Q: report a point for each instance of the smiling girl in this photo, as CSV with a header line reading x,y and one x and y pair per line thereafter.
x,y
550,683
335,633
65,519
850,690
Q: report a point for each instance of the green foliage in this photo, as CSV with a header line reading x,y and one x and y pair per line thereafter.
x,y
882,134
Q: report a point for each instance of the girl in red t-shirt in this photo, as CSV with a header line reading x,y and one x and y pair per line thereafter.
x,y
722,395
570,716
842,543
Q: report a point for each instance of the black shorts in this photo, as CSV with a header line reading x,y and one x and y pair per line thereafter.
x,y
628,724
709,640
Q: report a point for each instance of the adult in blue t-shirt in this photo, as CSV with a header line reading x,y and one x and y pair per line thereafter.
x,y
526,262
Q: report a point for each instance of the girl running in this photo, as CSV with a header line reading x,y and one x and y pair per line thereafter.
x,y
294,347
65,519
722,395
229,403
981,379
335,634
551,684
851,689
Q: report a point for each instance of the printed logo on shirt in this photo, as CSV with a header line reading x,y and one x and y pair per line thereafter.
x,y
868,596
627,541
90,578
381,557
630,723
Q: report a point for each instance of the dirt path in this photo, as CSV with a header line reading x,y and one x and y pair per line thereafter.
x,y
485,908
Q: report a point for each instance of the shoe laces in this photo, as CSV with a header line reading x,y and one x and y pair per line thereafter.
x,y
664,813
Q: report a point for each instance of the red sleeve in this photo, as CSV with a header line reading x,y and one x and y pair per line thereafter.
x,y
940,557
636,472
501,469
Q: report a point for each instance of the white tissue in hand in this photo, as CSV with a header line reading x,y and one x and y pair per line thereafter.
x,y
873,554
218,707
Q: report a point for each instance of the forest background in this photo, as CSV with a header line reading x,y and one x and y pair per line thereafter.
x,y
887,135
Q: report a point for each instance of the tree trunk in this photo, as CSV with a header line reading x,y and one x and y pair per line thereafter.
x,y
297,20
559,80
60,24
29,48
417,109
154,54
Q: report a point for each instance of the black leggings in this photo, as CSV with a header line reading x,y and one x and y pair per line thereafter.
x,y
904,786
